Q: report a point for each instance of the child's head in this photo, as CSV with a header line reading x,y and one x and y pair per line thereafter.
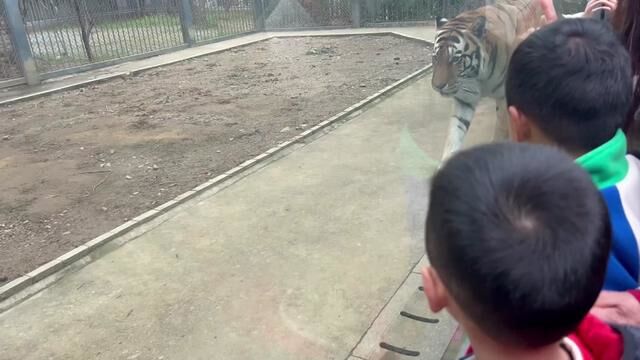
x,y
569,84
518,240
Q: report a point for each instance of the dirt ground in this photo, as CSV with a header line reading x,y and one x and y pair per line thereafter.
x,y
76,164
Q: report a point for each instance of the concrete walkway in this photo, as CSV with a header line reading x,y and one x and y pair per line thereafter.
x,y
296,260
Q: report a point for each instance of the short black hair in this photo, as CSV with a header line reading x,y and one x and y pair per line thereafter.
x,y
520,237
573,79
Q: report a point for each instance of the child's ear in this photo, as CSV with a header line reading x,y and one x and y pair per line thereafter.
x,y
436,293
519,126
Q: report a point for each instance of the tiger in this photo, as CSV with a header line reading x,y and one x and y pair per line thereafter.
x,y
470,58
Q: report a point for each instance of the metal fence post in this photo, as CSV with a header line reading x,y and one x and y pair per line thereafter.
x,y
186,22
356,8
20,42
258,11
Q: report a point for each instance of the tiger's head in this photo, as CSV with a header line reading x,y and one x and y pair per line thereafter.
x,y
457,53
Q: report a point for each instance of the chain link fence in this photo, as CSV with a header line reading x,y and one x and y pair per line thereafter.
x,y
9,66
290,14
213,19
377,12
68,35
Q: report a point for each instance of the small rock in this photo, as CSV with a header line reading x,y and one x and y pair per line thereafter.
x,y
155,167
104,208
286,129
128,177
396,58
107,164
81,147
136,193
218,151
66,233
230,139
112,151
363,85
6,137
47,226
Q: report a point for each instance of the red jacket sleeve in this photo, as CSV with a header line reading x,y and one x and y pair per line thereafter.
x,y
635,293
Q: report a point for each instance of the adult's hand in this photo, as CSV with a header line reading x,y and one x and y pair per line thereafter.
x,y
617,307
548,9
593,6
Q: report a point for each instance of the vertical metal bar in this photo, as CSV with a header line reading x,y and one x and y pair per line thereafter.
x,y
148,32
175,22
107,36
121,33
222,17
42,37
69,46
131,33
186,22
36,40
112,38
229,15
20,42
75,17
356,21
158,29
164,28
156,36
136,25
99,45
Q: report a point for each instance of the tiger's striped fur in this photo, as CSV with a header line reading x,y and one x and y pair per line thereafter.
x,y
470,59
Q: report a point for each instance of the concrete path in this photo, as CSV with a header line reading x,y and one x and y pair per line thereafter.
x,y
302,258
294,261
424,33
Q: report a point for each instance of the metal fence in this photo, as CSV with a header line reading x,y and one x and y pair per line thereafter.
x,y
377,12
9,66
288,14
70,34
44,38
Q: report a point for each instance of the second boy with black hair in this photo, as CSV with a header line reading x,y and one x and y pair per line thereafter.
x,y
518,239
569,85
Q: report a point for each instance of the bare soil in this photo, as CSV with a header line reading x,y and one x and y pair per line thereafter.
x,y
76,164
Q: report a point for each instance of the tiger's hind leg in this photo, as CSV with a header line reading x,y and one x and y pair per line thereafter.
x,y
501,130
458,126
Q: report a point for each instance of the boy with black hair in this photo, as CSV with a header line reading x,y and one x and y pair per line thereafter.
x,y
569,84
518,239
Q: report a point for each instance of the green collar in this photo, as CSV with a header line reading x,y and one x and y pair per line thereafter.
x,y
607,164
